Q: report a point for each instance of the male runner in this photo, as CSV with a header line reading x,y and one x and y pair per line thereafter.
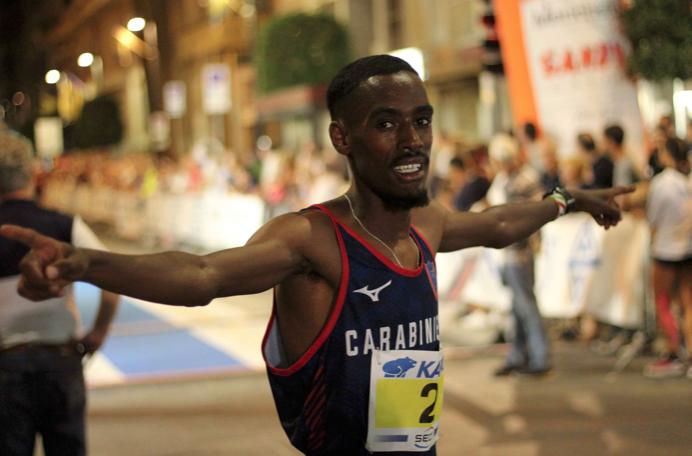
x,y
352,348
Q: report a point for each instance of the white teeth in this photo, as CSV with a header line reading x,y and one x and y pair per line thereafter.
x,y
406,169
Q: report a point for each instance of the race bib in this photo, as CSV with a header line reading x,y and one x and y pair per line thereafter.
x,y
405,400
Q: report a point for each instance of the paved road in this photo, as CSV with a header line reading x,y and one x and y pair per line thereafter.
x,y
578,410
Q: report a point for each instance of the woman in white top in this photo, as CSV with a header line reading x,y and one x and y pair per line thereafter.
x,y
669,213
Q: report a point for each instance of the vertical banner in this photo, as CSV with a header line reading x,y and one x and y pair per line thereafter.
x,y
565,64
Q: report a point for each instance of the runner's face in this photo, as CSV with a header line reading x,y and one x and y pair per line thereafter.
x,y
388,123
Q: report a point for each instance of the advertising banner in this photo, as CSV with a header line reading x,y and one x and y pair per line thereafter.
x,y
565,65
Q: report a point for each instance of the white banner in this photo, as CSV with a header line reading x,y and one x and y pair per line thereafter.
x,y
576,57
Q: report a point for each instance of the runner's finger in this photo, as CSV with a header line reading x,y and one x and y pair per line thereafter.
x,y
26,236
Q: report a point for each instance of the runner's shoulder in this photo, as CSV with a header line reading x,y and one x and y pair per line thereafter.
x,y
309,228
430,221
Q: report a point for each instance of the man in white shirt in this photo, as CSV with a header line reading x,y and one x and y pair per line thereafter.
x,y
41,380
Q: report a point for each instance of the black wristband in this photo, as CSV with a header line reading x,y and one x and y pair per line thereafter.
x,y
569,199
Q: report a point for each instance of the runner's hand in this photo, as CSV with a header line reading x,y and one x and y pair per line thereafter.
x,y
49,265
600,204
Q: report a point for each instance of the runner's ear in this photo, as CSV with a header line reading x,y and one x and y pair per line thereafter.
x,y
337,133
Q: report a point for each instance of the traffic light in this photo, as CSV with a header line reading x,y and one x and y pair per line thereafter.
x,y
492,57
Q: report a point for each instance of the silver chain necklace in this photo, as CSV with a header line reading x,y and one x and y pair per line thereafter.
x,y
353,213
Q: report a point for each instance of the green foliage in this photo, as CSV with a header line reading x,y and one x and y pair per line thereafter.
x,y
661,35
299,49
99,124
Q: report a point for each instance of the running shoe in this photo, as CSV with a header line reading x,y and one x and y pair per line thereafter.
x,y
669,366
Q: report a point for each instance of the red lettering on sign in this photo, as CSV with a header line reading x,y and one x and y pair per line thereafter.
x,y
570,61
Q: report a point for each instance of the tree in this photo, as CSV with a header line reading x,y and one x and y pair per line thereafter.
x,y
661,35
298,49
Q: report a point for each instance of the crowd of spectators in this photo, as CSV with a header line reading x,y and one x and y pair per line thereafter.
x,y
597,161
284,181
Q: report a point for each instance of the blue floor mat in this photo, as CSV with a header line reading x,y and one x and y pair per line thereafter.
x,y
161,349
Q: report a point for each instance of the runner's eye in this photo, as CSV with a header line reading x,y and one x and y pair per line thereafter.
x,y
424,122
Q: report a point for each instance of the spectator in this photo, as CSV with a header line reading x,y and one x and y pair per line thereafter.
x,y
601,165
532,146
41,381
624,172
659,138
668,201
473,186
514,182
550,176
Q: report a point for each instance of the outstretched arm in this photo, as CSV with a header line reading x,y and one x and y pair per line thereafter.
x,y
176,278
500,226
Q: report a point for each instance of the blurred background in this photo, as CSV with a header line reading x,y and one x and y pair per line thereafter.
x,y
187,124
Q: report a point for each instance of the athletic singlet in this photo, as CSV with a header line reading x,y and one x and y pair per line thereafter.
x,y
372,380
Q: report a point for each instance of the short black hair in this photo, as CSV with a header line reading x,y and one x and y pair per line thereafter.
x,y
586,141
615,133
350,76
530,131
677,148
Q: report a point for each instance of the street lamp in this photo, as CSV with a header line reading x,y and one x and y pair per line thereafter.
x,y
136,24
85,59
52,76
95,65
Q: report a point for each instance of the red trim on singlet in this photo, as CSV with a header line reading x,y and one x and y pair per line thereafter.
x,y
425,241
425,266
383,259
331,321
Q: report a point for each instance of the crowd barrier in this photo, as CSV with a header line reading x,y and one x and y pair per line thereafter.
x,y
580,267
204,221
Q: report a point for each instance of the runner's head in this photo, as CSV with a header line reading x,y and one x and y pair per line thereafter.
x,y
358,71
381,121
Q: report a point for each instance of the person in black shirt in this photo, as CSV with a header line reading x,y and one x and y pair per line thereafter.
x,y
601,165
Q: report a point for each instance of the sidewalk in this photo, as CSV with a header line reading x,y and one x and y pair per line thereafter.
x,y
578,410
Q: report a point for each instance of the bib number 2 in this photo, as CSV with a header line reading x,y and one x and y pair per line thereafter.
x,y
405,400
427,416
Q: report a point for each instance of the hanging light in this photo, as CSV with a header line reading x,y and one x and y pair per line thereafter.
x,y
52,76
85,59
136,24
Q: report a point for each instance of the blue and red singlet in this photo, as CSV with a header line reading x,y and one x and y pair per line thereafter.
x,y
372,380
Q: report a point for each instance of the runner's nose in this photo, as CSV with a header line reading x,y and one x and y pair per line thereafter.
x,y
410,137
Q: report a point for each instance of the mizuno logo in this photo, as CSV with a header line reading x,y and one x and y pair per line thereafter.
x,y
373,294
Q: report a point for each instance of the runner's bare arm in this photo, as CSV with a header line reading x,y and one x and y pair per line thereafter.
x,y
500,226
175,278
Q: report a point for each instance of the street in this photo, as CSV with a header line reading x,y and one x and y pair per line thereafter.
x,y
579,409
